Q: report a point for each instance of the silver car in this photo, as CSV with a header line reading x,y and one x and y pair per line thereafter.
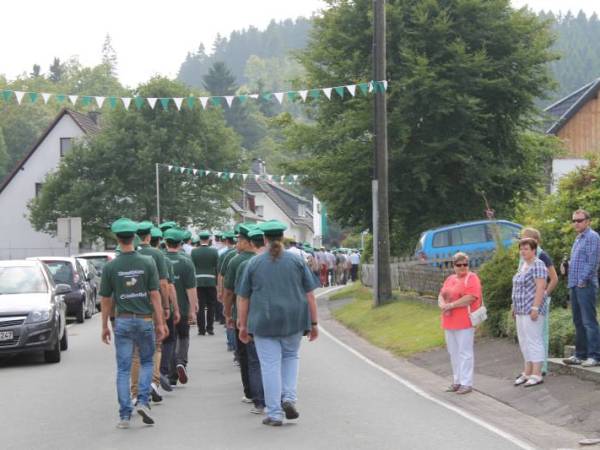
x,y
32,310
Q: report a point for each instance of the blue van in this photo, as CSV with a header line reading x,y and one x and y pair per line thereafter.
x,y
465,237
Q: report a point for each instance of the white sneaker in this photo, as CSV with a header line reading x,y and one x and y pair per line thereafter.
x,y
590,362
123,424
246,400
257,411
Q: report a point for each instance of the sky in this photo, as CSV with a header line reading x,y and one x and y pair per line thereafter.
x,y
150,36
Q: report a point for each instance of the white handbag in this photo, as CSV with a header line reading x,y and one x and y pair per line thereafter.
x,y
480,314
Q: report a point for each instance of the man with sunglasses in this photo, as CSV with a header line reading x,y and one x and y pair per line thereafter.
x,y
583,286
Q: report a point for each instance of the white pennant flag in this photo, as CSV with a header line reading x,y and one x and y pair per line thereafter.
x,y
352,89
254,96
73,99
282,178
182,169
385,84
256,177
295,177
244,176
229,100
46,97
152,102
219,174
178,101
303,95
370,86
126,101
170,168
279,97
19,96
327,92
270,177
204,101
232,175
207,172
99,101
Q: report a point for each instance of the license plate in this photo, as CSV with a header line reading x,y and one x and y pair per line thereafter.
x,y
6,335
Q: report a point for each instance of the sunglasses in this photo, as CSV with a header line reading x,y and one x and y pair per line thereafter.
x,y
578,220
461,264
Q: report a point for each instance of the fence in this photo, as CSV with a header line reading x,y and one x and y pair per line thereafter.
x,y
422,276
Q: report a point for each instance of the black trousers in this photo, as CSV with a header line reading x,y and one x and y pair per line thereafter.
x,y
354,272
242,354
219,317
207,302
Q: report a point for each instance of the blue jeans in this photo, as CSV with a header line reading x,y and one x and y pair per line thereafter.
x,y
230,334
279,363
130,332
587,336
254,376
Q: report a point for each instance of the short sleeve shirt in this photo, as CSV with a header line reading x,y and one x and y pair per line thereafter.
x,y
453,289
524,287
159,259
225,259
185,278
128,279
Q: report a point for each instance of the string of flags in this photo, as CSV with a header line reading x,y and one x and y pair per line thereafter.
x,y
227,175
352,90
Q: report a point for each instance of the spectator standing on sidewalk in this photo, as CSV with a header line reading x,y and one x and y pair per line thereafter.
x,y
355,261
583,287
529,309
277,292
459,292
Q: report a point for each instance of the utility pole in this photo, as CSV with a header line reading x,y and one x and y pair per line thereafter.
x,y
381,231
157,196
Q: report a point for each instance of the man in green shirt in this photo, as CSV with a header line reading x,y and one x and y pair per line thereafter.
x,y
222,263
185,286
131,280
245,253
205,259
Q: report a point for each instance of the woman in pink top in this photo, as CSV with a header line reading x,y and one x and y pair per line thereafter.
x,y
459,292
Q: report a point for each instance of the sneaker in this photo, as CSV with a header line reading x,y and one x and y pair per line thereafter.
x,y
211,332
123,424
290,410
453,388
156,397
464,390
247,400
521,379
165,383
201,333
182,374
144,411
272,422
572,361
257,410
590,362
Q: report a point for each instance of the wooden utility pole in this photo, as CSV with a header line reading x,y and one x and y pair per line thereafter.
x,y
381,231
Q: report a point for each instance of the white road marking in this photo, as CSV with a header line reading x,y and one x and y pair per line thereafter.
x,y
509,437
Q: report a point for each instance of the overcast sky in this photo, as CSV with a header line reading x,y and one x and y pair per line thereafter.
x,y
150,36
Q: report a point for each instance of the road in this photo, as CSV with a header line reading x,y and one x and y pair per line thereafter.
x,y
344,403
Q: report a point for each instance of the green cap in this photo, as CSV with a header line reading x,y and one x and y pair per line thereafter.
x,y
204,234
173,234
195,239
273,228
166,225
124,227
156,233
256,234
187,234
145,227
245,229
228,235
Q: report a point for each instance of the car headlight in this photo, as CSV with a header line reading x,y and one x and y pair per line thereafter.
x,y
42,315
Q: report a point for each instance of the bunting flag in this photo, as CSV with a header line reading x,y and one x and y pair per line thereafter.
x,y
342,92
228,175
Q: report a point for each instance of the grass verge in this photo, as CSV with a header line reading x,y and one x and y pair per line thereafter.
x,y
404,326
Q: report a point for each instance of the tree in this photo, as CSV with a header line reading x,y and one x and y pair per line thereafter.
x,y
464,78
113,174
109,55
4,159
219,80
35,71
57,71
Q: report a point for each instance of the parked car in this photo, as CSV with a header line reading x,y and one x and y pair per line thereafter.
x,y
468,237
91,275
98,259
68,270
32,310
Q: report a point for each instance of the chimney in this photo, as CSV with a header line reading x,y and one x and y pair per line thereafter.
x,y
258,167
95,116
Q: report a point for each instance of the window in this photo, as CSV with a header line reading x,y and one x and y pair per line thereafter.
x,y
473,234
440,239
65,146
260,210
38,189
301,210
507,232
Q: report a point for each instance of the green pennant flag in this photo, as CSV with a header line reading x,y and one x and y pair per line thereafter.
x,y
216,101
112,101
190,171
315,93
6,95
292,95
60,98
242,98
191,101
340,91
165,103
139,102
33,96
225,175
86,100
364,88
267,96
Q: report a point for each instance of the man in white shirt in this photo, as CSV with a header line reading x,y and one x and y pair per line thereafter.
x,y
355,260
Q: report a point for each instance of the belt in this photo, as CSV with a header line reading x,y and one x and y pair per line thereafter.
x,y
202,275
134,316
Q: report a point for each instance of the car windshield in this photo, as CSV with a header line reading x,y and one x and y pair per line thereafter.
x,y
21,280
62,271
99,262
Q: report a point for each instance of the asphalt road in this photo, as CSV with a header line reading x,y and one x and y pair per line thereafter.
x,y
344,403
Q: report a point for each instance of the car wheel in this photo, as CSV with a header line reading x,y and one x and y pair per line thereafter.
x,y
64,342
88,310
53,356
80,316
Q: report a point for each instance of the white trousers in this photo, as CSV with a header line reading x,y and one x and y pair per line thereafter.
x,y
531,338
460,347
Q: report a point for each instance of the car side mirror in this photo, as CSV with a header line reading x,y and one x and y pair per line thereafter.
x,y
62,289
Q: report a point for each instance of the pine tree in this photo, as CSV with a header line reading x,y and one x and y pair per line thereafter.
x,y
57,71
109,55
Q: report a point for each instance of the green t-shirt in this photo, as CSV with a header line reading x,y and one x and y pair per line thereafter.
x,y
205,262
159,259
232,272
170,272
224,261
129,278
185,278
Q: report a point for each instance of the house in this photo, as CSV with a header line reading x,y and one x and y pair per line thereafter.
x,y
575,119
18,239
261,200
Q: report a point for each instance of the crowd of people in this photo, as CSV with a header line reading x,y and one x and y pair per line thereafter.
x,y
164,281
533,283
